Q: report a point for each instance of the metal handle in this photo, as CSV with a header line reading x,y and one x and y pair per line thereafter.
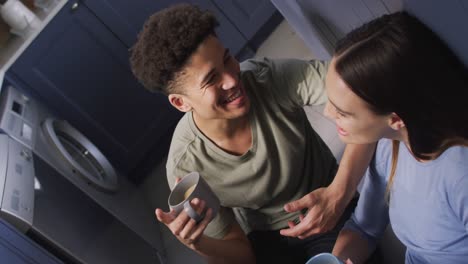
x,y
74,6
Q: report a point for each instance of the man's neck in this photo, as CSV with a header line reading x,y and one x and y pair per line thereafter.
x,y
221,128
232,135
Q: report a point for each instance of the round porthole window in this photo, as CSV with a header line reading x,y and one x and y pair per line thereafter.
x,y
83,157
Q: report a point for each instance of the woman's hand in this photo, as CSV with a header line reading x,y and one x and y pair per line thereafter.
x,y
325,207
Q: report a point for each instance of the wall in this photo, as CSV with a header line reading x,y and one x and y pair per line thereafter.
x,y
321,22
449,19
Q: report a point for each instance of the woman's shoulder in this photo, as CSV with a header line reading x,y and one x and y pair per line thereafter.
x,y
457,156
383,151
454,164
382,161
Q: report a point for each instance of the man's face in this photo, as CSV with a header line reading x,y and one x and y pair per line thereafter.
x,y
211,87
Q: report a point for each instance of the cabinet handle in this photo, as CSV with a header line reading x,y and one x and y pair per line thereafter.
x,y
74,6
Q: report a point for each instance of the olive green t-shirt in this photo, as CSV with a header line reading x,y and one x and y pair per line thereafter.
x,y
287,159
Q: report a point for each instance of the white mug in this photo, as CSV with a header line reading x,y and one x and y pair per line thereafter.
x,y
17,15
324,258
192,186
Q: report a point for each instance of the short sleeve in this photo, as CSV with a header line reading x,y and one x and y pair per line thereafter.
x,y
304,80
220,225
301,81
173,172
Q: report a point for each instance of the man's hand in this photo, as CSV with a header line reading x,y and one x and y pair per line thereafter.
x,y
325,207
183,227
187,230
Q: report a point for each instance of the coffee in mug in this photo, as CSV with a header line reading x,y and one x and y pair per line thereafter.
x,y
189,191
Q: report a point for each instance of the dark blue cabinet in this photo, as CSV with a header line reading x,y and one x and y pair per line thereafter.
x,y
16,248
80,69
125,18
122,20
227,32
253,19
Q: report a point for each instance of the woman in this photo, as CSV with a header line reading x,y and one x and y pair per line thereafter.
x,y
394,81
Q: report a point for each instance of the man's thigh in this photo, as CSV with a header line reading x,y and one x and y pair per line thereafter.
x,y
271,247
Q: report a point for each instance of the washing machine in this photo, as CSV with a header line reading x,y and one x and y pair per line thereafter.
x,y
73,201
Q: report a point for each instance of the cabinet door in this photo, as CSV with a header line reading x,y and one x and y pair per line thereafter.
x,y
80,69
226,32
248,16
126,18
15,248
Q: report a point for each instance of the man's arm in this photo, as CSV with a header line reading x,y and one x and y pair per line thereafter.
x,y
326,205
234,247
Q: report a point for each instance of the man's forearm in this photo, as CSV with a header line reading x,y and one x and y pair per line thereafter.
x,y
225,251
355,160
233,248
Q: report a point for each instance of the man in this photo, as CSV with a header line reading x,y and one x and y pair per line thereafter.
x,y
246,133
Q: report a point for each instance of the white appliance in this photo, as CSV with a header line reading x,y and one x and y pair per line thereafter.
x,y
17,16
69,198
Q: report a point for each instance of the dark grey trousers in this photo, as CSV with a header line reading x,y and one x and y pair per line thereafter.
x,y
271,247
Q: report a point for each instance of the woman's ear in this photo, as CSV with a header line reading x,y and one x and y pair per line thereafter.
x,y
179,102
395,122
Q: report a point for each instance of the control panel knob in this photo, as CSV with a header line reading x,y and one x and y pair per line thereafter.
x,y
26,154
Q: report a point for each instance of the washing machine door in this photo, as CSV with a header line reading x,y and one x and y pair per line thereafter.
x,y
84,158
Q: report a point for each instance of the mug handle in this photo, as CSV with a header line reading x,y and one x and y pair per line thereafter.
x,y
192,213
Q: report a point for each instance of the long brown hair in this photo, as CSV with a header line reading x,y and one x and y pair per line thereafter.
x,y
395,151
398,65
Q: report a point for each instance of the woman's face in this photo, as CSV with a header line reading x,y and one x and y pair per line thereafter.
x,y
355,122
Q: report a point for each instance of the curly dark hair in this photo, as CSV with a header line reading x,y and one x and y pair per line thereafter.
x,y
168,39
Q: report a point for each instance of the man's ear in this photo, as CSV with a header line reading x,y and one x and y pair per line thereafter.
x,y
395,122
178,101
